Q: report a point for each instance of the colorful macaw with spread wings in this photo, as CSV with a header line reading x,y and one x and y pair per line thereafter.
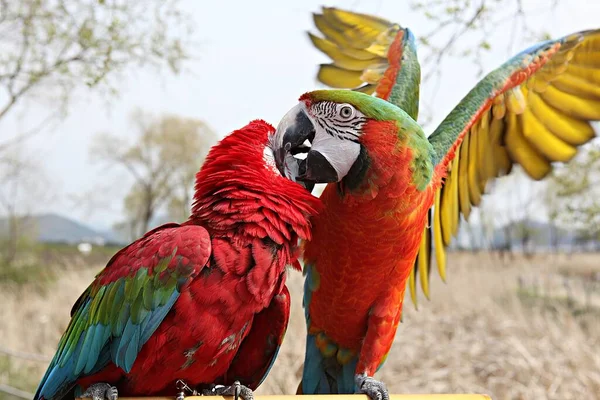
x,y
395,195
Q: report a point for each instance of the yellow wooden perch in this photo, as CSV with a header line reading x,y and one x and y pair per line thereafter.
x,y
329,397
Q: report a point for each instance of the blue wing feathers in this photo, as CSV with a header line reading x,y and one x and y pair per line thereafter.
x,y
58,379
132,350
151,323
94,351
90,349
102,328
410,37
326,376
122,345
346,381
313,375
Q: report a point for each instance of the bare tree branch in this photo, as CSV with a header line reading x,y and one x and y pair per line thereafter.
x,y
162,162
15,392
462,29
436,57
40,127
25,356
57,46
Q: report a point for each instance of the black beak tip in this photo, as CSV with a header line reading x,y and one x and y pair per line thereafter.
x,y
315,168
308,186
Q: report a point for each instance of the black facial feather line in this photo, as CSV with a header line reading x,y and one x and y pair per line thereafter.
x,y
327,117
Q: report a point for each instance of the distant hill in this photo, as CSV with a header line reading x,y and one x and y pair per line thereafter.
x,y
54,228
122,232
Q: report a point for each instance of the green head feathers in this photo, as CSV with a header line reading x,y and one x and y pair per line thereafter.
x,y
333,121
381,110
372,107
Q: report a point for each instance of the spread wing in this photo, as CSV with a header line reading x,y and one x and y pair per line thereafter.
x,y
369,54
125,304
534,110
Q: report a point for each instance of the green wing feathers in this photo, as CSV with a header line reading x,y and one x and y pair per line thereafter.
x,y
125,304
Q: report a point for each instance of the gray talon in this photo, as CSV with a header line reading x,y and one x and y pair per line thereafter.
x,y
236,390
112,393
376,390
101,391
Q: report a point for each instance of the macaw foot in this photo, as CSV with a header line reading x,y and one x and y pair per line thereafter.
x,y
373,388
236,390
101,391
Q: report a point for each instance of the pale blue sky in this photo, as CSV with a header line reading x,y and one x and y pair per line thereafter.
x,y
255,61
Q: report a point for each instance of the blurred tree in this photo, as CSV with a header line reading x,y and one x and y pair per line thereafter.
x,y
508,213
573,194
56,46
552,209
163,163
526,199
188,143
23,187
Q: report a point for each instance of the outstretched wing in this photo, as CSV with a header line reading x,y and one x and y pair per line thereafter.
x,y
534,110
370,55
125,304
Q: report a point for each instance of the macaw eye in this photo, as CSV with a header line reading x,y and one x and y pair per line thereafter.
x,y
346,111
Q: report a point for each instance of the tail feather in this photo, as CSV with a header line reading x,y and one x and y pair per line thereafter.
x,y
347,378
322,375
325,375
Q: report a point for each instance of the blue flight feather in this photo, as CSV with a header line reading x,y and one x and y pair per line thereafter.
x,y
58,379
129,334
152,321
314,380
122,350
318,372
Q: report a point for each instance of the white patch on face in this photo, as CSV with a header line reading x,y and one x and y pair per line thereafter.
x,y
340,153
269,159
336,135
342,120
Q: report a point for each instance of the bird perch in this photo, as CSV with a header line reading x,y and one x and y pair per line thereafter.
x,y
329,397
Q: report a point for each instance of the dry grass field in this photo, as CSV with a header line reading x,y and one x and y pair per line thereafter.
x,y
518,328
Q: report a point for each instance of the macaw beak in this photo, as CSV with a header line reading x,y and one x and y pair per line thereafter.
x,y
294,129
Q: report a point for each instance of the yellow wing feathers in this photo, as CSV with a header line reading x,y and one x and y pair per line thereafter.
x,y
541,121
532,119
357,45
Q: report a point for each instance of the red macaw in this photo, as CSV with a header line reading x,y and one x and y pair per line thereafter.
x,y
204,302
385,175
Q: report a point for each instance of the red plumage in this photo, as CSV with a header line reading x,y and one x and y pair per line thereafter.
x,y
233,307
358,309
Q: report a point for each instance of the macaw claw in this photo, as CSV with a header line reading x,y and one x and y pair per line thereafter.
x,y
376,390
101,391
236,390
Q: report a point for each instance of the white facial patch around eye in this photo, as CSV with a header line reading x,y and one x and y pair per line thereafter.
x,y
326,116
269,159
